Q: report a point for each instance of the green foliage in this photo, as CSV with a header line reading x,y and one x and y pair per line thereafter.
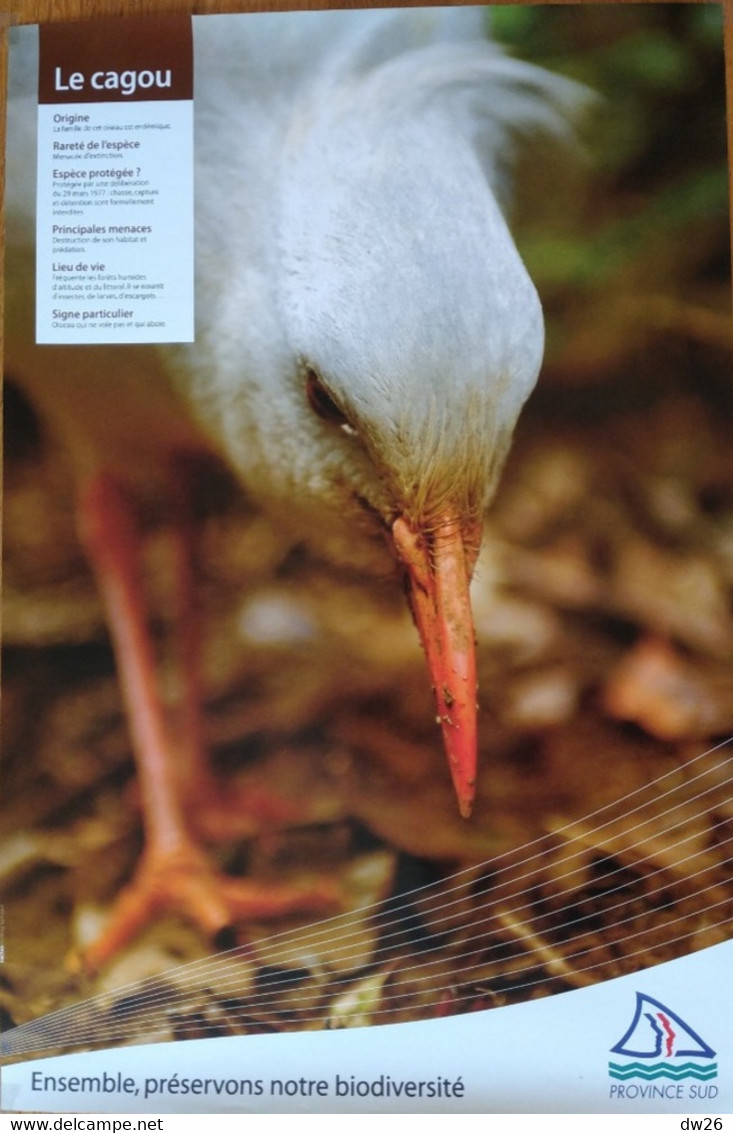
x,y
647,217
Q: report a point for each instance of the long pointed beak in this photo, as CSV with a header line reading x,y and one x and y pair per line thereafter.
x,y
439,565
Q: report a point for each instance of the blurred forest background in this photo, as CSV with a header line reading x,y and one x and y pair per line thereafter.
x,y
603,616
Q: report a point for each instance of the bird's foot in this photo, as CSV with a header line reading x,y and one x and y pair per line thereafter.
x,y
182,880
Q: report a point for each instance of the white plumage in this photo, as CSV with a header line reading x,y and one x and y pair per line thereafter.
x,y
352,224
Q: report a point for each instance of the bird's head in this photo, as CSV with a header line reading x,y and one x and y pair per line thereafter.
x,y
416,335
403,333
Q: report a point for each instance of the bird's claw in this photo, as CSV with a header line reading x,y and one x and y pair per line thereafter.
x,y
182,880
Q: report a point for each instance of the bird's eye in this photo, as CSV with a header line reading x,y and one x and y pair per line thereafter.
x,y
320,399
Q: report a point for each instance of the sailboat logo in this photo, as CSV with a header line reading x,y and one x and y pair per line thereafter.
x,y
661,1045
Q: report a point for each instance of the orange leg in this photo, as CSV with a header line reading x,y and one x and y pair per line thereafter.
x,y
195,776
173,873
217,813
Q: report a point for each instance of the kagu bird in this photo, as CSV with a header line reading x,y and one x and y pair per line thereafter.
x,y
366,337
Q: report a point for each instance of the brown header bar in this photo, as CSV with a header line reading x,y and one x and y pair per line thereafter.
x,y
137,59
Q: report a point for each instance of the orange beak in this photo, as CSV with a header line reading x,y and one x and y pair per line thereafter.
x,y
439,566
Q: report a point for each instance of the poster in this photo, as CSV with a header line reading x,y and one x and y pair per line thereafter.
x,y
388,942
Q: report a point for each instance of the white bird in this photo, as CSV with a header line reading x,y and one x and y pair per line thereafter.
x,y
366,337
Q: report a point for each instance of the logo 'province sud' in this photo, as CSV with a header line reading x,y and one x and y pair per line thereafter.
x,y
661,1045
